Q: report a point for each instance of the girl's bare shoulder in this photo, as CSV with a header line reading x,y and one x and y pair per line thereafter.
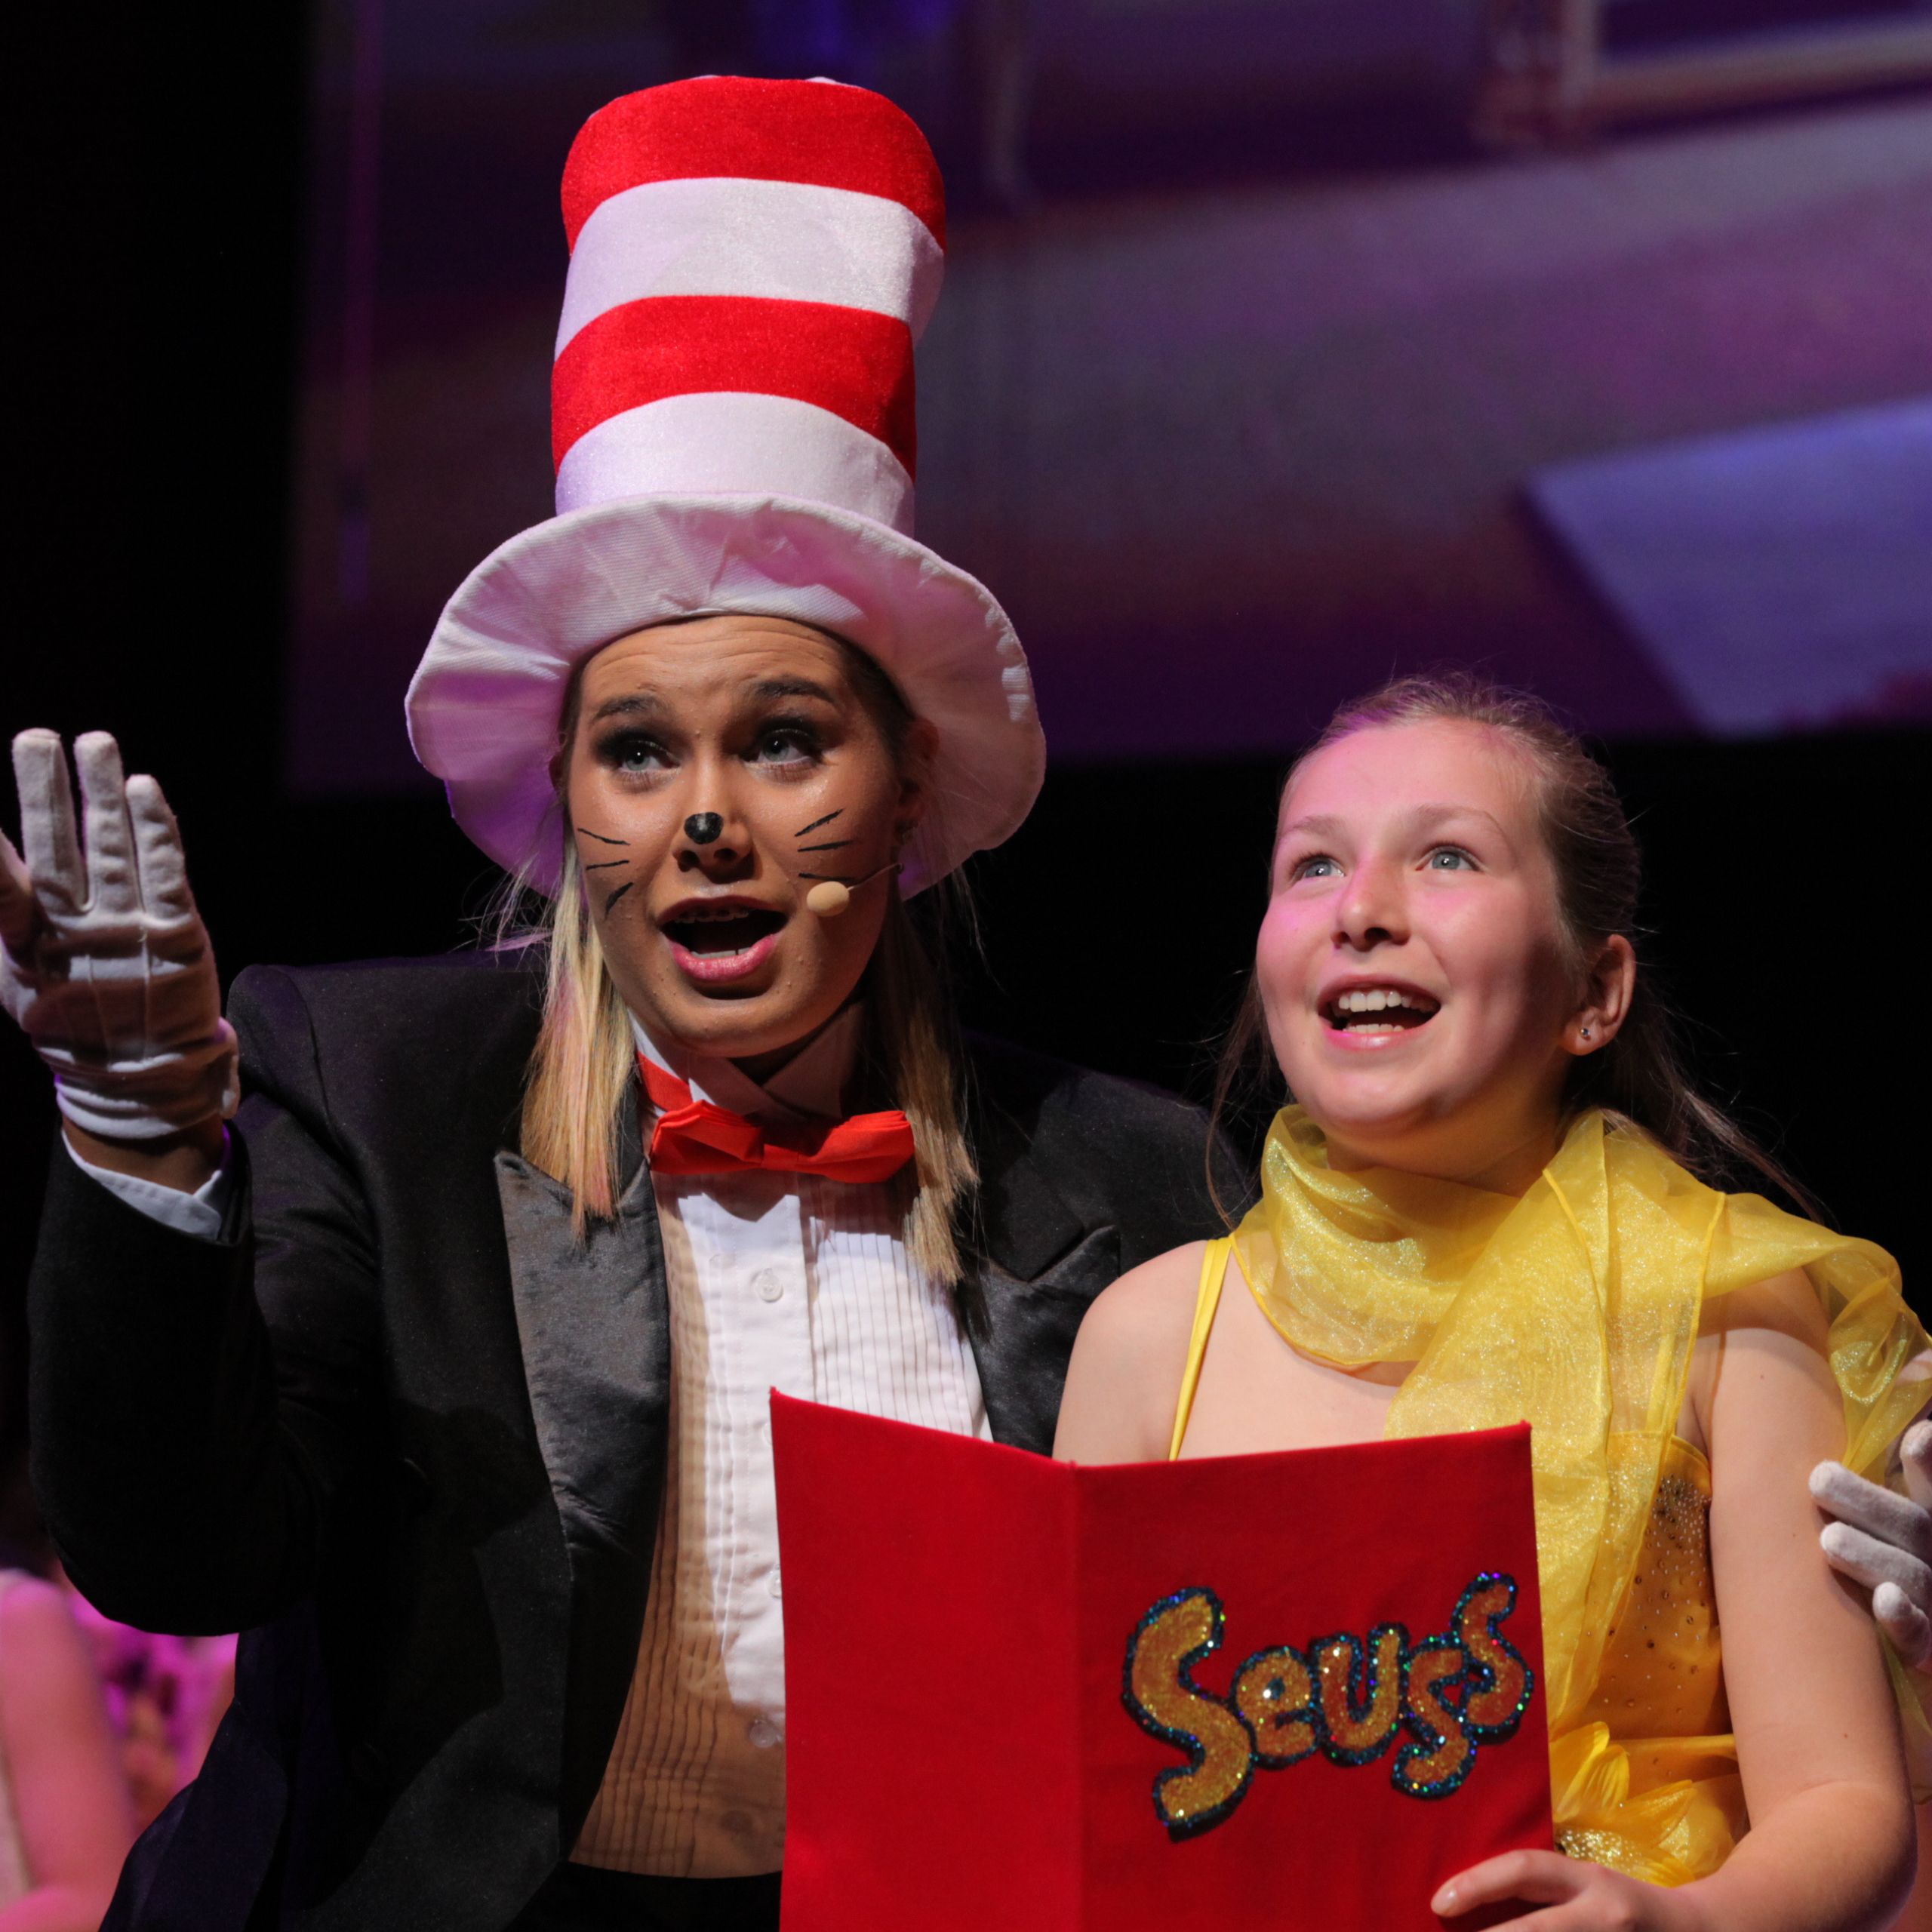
x,y
1124,1377
1786,1304
1151,1308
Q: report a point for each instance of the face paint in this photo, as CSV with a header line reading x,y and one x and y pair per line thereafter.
x,y
603,865
820,902
833,892
712,750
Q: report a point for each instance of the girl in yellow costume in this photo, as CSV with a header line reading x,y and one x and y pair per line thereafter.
x,y
1483,1209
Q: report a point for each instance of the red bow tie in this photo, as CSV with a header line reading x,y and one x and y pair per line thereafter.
x,y
692,1137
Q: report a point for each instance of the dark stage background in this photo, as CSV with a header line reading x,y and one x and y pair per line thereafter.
x,y
219,557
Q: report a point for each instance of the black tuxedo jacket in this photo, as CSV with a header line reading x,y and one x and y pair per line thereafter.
x,y
403,1433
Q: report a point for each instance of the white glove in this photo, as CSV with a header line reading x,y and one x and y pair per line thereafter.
x,y
1883,1541
104,961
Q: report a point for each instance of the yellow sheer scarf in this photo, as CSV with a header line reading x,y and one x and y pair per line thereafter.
x,y
1576,1307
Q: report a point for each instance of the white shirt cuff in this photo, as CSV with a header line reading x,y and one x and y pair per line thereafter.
x,y
201,1213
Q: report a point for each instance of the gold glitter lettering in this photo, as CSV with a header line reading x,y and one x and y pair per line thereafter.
x,y
1358,1718
1438,1762
1348,1698
1274,1694
1495,1707
1162,1697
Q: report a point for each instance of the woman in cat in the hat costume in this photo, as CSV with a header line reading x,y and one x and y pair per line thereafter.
x,y
442,1371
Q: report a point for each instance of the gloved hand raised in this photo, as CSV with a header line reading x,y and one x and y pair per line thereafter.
x,y
104,960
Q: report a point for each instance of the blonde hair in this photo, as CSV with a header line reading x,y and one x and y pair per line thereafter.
x,y
584,1061
585,1058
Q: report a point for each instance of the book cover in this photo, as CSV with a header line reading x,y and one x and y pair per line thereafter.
x,y
1254,1692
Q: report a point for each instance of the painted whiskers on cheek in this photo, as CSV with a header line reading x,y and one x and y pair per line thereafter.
x,y
605,865
833,891
824,845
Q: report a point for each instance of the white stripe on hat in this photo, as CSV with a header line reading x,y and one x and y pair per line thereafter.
x,y
733,444
788,240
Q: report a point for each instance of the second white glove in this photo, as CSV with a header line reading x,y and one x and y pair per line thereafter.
x,y
1884,1540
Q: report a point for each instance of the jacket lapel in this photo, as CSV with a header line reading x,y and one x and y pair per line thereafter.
x,y
1039,1263
593,1320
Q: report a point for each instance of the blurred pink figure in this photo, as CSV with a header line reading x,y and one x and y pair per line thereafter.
x,y
66,1820
165,1695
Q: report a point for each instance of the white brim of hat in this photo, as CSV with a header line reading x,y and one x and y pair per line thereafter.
x,y
486,704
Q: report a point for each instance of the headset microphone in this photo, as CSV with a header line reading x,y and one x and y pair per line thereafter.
x,y
831,897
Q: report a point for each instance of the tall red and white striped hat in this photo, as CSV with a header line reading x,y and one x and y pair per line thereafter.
x,y
732,402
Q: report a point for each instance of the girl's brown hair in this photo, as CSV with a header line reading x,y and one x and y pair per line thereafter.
x,y
1641,1075
582,1068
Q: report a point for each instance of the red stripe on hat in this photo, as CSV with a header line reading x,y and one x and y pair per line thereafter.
x,y
815,132
851,361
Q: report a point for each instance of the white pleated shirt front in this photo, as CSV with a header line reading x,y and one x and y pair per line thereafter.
x,y
781,1282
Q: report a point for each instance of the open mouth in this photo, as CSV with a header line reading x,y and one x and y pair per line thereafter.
x,y
721,933
1378,1010
714,932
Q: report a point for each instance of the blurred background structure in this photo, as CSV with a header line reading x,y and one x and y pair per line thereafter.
x,y
1287,343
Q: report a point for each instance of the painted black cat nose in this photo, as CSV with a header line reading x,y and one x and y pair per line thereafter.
x,y
702,828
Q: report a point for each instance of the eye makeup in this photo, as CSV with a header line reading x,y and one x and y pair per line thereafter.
x,y
615,749
802,741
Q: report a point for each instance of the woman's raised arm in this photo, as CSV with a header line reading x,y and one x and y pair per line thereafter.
x,y
197,1398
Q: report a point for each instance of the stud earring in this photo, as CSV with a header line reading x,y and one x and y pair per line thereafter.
x,y
1586,1032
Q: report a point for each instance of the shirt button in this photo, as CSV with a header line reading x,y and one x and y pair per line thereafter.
x,y
772,1583
762,1732
769,1286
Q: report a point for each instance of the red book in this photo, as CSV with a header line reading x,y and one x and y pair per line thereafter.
x,y
1248,1694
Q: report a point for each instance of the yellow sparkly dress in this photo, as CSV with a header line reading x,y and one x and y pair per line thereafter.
x,y
1576,1306
1660,1697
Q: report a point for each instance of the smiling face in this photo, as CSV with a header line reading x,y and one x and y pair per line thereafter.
x,y
1420,996
718,767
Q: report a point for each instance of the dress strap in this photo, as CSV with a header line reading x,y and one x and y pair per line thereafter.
x,y
1207,1299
